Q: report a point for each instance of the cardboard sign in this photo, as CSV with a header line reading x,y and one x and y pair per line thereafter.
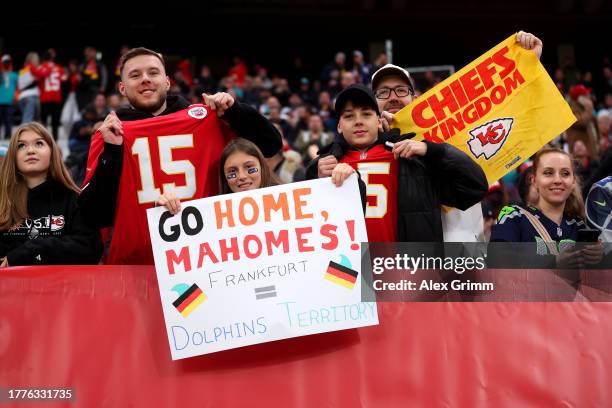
x,y
261,265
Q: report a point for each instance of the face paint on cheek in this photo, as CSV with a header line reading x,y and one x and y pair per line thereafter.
x,y
253,170
230,176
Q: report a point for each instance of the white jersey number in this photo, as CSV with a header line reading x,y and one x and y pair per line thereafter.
x,y
377,190
166,144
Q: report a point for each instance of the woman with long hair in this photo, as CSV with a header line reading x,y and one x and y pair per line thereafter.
x,y
40,221
242,167
557,216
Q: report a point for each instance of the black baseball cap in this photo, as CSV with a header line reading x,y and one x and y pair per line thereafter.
x,y
359,95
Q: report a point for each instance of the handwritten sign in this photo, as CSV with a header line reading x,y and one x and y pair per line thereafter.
x,y
261,265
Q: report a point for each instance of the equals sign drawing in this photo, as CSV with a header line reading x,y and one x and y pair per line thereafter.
x,y
265,292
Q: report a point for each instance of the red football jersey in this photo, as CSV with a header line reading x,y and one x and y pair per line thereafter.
x,y
379,171
51,84
178,152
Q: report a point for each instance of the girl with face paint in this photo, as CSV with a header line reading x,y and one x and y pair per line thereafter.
x,y
242,167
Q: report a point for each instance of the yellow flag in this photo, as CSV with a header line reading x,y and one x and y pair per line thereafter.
x,y
500,109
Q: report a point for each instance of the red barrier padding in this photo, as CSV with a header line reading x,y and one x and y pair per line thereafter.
x,y
100,331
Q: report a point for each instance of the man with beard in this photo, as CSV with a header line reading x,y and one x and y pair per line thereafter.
x,y
160,143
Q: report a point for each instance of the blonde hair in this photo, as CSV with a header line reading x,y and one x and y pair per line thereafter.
x,y
13,187
574,205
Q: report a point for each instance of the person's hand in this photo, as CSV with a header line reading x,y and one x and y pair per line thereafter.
x,y
312,151
592,254
341,173
219,102
385,120
4,262
169,200
112,129
326,166
530,42
569,259
409,148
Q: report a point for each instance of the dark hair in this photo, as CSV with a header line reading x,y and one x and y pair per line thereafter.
x,y
525,180
247,147
136,52
574,205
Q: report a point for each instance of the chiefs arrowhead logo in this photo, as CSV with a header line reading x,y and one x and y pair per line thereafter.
x,y
487,139
57,222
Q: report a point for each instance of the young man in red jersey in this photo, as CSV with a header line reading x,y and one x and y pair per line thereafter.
x,y
159,143
408,180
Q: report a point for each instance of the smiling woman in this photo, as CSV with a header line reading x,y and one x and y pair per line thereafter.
x,y
554,221
40,221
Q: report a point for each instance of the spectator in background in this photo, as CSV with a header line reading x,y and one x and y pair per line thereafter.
x,y
607,102
29,92
381,61
604,118
52,75
274,116
559,80
585,167
93,78
114,102
239,70
313,139
326,110
251,91
3,151
100,106
286,164
184,67
281,90
8,90
302,117
526,189
585,127
361,69
117,73
348,79
178,81
70,111
338,66
205,82
79,141
571,74
228,84
306,94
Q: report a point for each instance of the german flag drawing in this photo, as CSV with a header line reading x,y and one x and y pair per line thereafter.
x,y
341,275
190,298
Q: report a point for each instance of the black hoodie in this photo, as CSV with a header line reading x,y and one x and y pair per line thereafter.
x,y
54,232
99,197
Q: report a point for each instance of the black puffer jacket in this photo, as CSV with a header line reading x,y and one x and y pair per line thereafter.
x,y
444,176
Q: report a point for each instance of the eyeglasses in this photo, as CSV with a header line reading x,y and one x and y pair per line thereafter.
x,y
400,92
